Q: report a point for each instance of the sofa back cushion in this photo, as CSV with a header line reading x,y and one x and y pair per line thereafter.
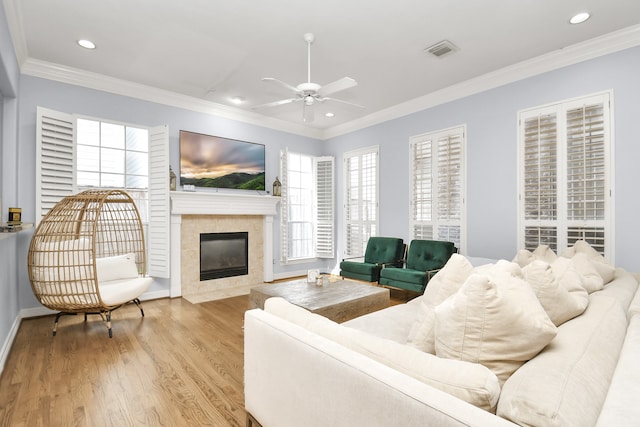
x,y
494,319
383,249
566,384
425,255
470,382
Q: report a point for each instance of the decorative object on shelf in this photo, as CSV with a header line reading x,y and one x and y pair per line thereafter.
x,y
172,179
277,187
15,216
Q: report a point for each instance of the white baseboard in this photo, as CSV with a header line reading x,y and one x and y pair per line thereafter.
x,y
8,343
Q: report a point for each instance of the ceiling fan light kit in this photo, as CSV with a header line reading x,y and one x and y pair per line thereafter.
x,y
310,92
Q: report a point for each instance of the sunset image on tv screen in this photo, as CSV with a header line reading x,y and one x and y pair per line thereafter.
x,y
215,162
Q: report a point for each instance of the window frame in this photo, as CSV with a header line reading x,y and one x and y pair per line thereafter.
x,y
322,209
562,224
436,171
355,243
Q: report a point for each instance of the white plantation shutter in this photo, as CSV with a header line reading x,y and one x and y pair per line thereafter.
x,y
422,186
284,208
437,186
449,185
306,207
565,177
158,253
54,159
361,199
540,193
324,207
587,160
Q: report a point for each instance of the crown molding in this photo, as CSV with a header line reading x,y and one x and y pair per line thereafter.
x,y
78,77
589,49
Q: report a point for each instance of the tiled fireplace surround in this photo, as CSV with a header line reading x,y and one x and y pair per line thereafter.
x,y
193,213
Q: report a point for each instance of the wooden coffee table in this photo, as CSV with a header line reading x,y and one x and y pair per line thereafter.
x,y
339,301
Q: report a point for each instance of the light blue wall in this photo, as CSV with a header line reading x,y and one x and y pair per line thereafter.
x,y
9,246
491,117
67,98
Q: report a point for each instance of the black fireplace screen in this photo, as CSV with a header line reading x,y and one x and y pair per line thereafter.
x,y
223,255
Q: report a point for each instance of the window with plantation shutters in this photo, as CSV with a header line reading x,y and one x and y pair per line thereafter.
x,y
360,199
55,158
565,174
325,207
307,207
438,186
74,154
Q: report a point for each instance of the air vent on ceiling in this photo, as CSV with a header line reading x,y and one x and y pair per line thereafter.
x,y
441,49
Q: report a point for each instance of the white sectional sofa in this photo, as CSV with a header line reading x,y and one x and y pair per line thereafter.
x,y
303,369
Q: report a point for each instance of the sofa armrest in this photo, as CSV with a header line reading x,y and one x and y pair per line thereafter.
x,y
284,361
354,257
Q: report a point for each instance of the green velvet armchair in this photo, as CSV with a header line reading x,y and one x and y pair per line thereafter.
x,y
424,259
380,251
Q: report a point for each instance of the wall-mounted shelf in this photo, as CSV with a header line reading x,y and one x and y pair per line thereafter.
x,y
7,230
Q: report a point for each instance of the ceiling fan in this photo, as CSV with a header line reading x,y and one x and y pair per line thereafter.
x,y
309,93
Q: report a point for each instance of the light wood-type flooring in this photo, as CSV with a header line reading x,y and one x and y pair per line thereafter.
x,y
182,364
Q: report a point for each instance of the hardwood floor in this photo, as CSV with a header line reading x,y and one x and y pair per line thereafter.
x,y
182,364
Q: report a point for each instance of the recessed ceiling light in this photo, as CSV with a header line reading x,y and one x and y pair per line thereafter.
x,y
87,44
579,18
329,114
237,100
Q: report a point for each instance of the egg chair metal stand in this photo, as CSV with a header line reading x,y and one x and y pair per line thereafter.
x,y
88,256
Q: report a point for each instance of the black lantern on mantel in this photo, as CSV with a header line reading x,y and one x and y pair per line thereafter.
x,y
277,187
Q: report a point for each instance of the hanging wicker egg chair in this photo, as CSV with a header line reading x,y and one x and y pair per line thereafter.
x,y
88,256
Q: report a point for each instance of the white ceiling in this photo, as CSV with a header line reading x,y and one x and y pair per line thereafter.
x,y
213,49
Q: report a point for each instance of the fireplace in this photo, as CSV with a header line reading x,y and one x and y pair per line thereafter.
x,y
224,255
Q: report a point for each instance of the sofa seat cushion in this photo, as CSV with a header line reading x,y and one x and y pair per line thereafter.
x,y
467,381
393,323
404,275
362,270
566,384
117,292
621,405
494,319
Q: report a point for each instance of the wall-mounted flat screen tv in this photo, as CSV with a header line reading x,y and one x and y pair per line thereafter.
x,y
214,162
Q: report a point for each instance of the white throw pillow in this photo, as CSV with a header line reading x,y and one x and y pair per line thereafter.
x,y
495,320
116,267
559,304
605,270
444,284
523,257
591,279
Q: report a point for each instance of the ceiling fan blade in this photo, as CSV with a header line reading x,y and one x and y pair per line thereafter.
x,y
340,84
276,103
341,101
281,83
307,113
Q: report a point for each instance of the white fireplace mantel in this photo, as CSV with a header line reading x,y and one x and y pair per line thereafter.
x,y
209,203
200,203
